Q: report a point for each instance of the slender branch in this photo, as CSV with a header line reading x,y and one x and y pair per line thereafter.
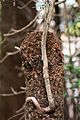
x,y
59,2
3,41
20,30
23,88
66,20
56,3
37,105
12,94
44,54
25,4
10,54
69,90
17,48
16,116
21,109
22,117
76,53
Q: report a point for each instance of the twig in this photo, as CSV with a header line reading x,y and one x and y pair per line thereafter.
x,y
37,105
56,3
10,54
12,94
69,90
22,108
21,118
20,30
23,88
59,2
25,4
44,54
3,41
16,115
17,48
77,52
66,20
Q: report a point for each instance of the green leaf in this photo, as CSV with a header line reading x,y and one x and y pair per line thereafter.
x,y
78,83
65,94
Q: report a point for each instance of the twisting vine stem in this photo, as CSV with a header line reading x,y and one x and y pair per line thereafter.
x,y
49,10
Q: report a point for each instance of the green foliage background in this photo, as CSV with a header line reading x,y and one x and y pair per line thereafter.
x,y
74,28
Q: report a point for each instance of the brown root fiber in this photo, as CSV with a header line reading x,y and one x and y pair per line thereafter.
x,y
33,71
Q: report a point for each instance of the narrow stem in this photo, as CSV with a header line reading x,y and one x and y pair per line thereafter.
x,y
48,15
